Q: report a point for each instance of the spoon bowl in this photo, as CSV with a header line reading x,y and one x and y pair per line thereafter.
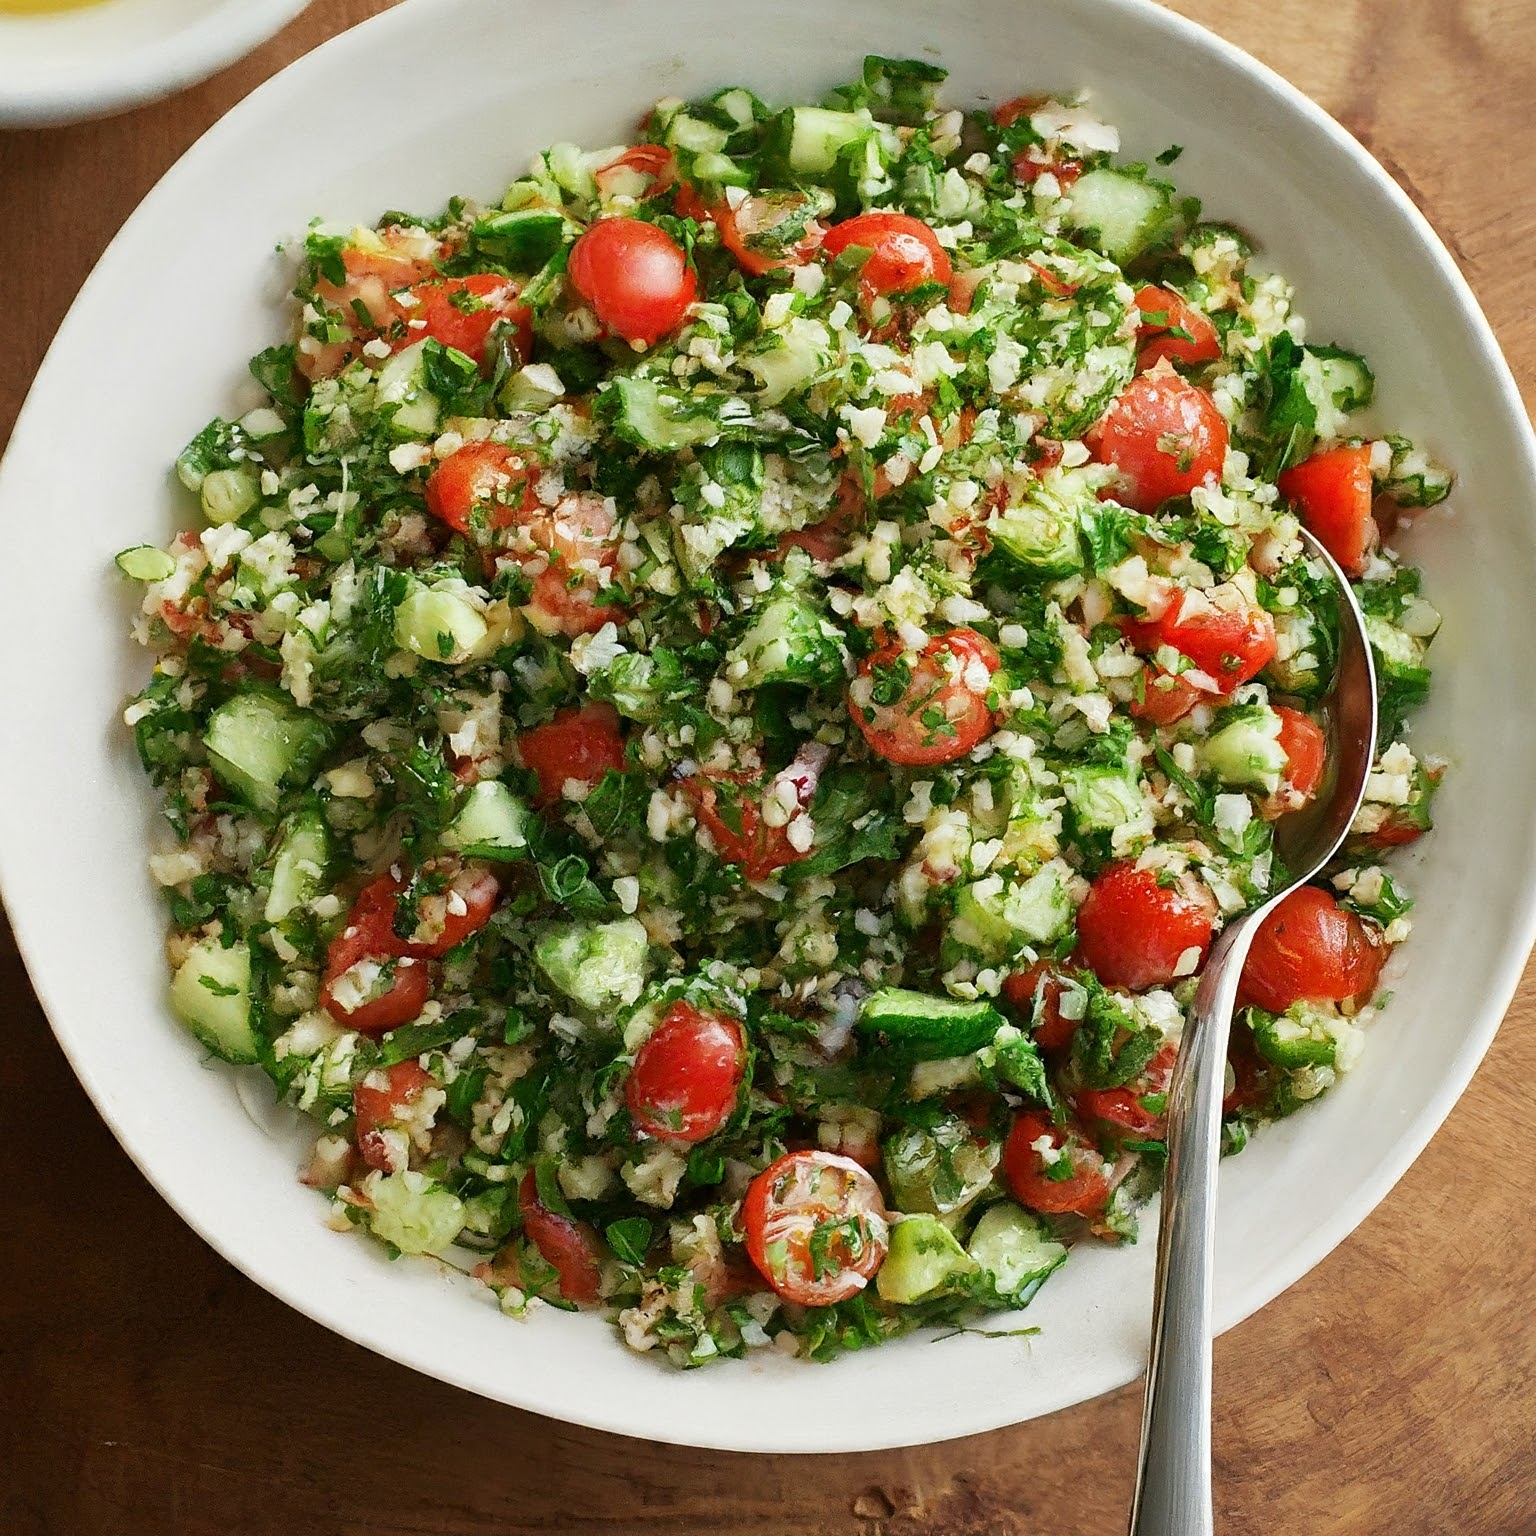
x,y
1173,1479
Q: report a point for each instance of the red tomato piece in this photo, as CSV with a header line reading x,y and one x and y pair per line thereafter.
x,y
729,807
650,166
580,743
746,231
1310,949
1165,437
576,541
1133,932
904,253
635,276
1306,755
816,1227
1228,646
369,983
375,1108
1165,699
569,1245
929,710
1164,312
687,1075
1125,1109
460,312
1070,1177
1333,492
452,901
482,475
366,302
1036,993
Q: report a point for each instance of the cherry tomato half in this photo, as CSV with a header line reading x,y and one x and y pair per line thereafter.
x,y
1306,755
1164,315
1333,492
451,900
635,276
687,1074
460,312
1036,993
1133,932
369,983
486,476
1139,1109
769,231
580,743
1068,1177
1228,646
567,1244
729,807
1165,437
927,709
904,253
816,1227
377,1106
1165,698
1310,949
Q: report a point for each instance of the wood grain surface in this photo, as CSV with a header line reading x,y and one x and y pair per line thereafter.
x,y
146,1387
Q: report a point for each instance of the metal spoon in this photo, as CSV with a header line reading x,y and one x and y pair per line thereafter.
x,y
1173,1478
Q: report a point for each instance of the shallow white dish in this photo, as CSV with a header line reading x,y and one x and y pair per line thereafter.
x,y
155,344
62,66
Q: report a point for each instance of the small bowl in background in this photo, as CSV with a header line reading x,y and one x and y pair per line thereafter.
x,y
74,60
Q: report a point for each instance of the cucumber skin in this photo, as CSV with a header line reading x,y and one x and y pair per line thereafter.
x,y
924,1028
258,742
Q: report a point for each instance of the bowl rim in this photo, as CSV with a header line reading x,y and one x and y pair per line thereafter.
x,y
1498,986
143,73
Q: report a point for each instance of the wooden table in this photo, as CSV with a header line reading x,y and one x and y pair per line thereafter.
x,y
146,1387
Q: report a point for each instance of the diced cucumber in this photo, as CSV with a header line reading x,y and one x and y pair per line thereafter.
x,y
258,743
299,865
686,131
1104,798
996,916
790,640
1413,478
401,391
145,563
1042,536
924,1260
809,140
532,389
1350,384
522,239
1120,214
1300,1037
924,1027
787,359
1015,1252
940,1169
438,626
411,1212
228,494
662,419
211,995
1245,748
599,965
739,105
491,824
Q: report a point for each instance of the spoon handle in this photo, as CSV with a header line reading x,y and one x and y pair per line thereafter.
x,y
1173,1478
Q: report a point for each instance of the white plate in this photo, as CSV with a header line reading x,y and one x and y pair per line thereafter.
x,y
156,344
61,66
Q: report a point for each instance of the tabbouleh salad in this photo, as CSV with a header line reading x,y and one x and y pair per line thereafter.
x,y
715,711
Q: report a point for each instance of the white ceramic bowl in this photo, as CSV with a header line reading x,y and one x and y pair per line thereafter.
x,y
156,343
61,66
